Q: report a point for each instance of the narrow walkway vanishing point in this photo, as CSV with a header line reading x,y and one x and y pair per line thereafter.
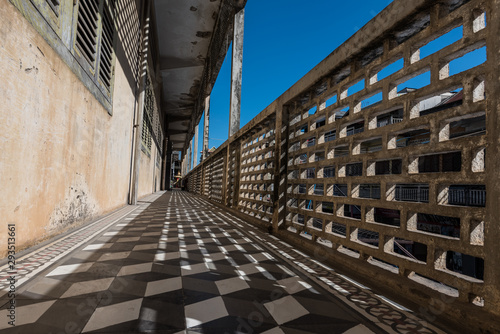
x,y
178,264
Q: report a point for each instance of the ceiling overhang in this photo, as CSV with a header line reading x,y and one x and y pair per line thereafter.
x,y
193,39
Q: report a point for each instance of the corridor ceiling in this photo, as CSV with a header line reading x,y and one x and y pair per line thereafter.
x,y
193,39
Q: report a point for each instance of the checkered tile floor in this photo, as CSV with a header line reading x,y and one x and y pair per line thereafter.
x,y
179,265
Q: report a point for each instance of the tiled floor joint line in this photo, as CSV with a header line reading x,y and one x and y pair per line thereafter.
x,y
388,313
181,265
32,263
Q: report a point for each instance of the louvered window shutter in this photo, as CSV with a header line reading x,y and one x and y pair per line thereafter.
x,y
54,5
106,54
86,30
94,41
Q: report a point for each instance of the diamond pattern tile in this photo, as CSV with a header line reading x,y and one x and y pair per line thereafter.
x,y
114,314
175,265
162,286
285,309
205,311
70,269
231,285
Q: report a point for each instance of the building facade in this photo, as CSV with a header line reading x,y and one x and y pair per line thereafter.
x,y
95,102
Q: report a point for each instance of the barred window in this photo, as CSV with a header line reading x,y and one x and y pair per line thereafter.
x,y
148,113
158,159
329,171
146,134
151,128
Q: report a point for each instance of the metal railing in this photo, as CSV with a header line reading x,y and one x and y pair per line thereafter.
x,y
467,197
389,121
412,193
369,191
353,131
354,169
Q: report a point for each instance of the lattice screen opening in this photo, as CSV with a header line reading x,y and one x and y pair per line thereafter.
x,y
410,249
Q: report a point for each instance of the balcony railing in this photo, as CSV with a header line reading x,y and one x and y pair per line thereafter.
x,y
412,193
329,136
311,142
389,121
369,191
353,131
354,169
467,197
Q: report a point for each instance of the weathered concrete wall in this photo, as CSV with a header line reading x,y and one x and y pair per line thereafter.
x,y
150,177
64,159
284,179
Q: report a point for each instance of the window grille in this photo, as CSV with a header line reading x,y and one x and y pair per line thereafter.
x,y
354,169
146,133
331,135
329,171
151,118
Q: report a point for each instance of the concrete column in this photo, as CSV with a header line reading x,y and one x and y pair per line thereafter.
x,y
236,72
168,164
280,166
491,229
206,127
188,160
196,129
140,104
164,168
184,164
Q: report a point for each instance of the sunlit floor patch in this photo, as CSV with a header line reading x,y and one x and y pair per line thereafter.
x,y
201,271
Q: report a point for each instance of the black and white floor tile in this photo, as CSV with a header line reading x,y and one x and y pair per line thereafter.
x,y
180,265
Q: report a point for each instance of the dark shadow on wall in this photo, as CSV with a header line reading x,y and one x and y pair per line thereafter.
x,y
127,47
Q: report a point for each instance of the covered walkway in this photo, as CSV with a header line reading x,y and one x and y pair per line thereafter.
x,y
178,264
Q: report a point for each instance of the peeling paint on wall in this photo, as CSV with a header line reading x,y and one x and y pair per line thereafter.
x,y
79,205
65,159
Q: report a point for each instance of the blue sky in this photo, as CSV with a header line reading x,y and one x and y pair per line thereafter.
x,y
285,39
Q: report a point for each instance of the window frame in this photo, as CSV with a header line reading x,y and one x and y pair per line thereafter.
x,y
58,28
93,69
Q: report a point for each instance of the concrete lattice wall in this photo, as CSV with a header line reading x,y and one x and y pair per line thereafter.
x,y
399,192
